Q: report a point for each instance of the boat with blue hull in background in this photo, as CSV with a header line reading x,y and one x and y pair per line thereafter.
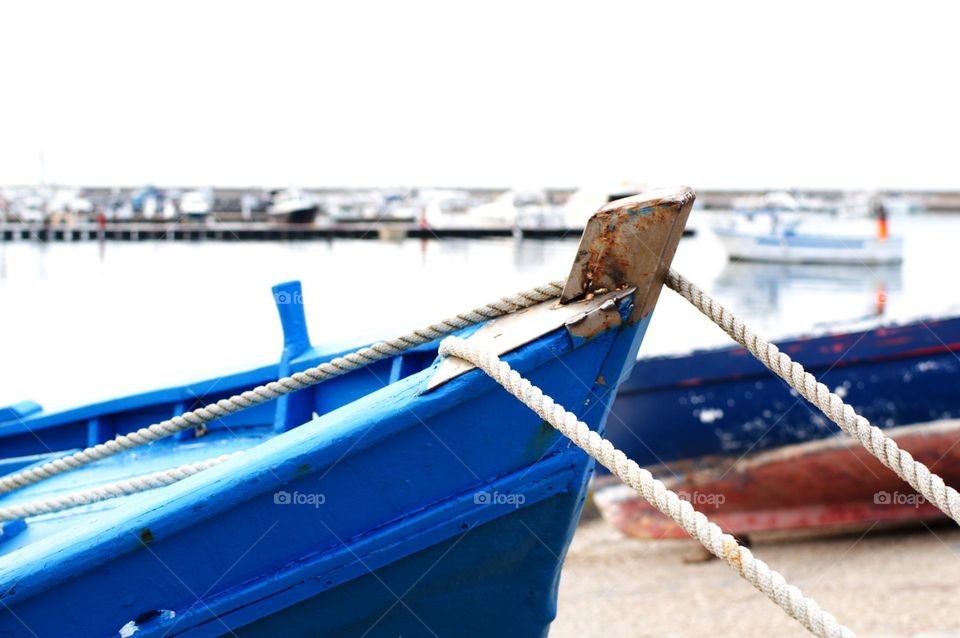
x,y
718,426
411,497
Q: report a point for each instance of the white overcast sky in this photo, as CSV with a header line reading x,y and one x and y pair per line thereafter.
x,y
713,94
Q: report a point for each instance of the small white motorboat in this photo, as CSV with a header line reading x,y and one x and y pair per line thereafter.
x,y
197,204
447,209
519,209
293,206
354,207
768,238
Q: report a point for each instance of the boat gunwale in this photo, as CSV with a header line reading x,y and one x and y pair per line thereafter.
x,y
187,392
266,467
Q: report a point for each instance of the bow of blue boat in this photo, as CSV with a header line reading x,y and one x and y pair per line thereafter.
x,y
414,497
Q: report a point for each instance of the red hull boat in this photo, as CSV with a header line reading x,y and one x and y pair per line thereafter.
x,y
828,485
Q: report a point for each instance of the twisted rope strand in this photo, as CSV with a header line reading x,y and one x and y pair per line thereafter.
x,y
286,385
109,491
872,438
753,570
931,486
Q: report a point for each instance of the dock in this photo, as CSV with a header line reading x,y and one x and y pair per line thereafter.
x,y
251,231
257,231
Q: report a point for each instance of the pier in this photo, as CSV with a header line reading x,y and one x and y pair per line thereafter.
x,y
254,231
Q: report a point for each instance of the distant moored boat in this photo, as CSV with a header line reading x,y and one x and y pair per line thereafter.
x,y
293,206
795,247
196,204
773,235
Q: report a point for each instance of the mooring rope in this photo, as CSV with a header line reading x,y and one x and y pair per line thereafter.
x,y
871,437
724,546
286,385
931,486
125,487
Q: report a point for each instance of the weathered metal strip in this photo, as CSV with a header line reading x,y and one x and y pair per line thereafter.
x,y
631,241
509,332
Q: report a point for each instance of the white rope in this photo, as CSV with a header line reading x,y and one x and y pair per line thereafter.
x,y
872,438
286,385
724,546
109,491
883,448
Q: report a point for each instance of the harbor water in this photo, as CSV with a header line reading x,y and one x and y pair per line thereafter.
x,y
88,320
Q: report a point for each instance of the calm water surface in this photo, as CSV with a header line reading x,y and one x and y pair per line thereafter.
x,y
84,321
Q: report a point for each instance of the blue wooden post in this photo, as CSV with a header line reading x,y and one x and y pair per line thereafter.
x,y
95,432
297,408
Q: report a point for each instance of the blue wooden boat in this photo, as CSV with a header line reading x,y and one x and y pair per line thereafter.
x,y
724,402
413,497
717,424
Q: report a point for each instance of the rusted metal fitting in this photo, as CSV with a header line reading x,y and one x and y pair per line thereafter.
x,y
630,242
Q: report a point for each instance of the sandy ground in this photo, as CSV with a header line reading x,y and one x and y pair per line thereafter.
x,y
904,583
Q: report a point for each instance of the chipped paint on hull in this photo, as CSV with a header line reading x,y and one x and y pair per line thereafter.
x,y
826,485
723,402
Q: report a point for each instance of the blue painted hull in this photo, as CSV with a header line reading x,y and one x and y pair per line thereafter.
x,y
396,512
722,402
410,498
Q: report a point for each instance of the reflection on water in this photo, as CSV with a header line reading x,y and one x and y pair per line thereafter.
x,y
768,289
118,317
